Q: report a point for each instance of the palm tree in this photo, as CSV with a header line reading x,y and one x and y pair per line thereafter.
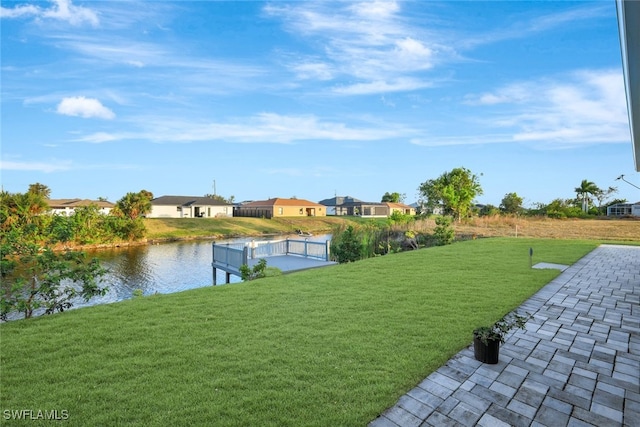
x,y
586,188
133,205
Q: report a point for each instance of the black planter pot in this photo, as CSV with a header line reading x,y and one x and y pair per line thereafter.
x,y
486,353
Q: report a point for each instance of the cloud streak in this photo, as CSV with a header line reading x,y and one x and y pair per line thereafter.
x,y
261,128
46,167
585,107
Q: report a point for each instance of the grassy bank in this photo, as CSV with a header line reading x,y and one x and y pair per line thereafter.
x,y
597,229
334,346
167,228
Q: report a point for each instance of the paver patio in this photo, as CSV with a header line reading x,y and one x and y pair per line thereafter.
x,y
576,364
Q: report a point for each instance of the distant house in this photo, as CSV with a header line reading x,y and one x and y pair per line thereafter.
x,y
334,204
624,209
364,209
279,208
355,207
68,206
400,207
188,207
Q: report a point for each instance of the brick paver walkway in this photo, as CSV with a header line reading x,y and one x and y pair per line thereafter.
x,y
576,364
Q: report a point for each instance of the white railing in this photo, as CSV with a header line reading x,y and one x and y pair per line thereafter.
x,y
306,248
231,256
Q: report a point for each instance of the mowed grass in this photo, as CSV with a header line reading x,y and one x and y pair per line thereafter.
x,y
171,228
325,347
624,230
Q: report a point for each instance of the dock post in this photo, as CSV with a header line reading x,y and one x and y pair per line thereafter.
x,y
228,277
213,263
327,251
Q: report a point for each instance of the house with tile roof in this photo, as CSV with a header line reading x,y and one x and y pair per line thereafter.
x,y
188,207
68,206
279,208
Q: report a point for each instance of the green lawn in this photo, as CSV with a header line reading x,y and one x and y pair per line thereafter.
x,y
326,347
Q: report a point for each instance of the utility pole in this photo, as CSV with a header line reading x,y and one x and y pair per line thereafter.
x,y
214,187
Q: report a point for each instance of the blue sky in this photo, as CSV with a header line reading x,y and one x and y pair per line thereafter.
x,y
312,99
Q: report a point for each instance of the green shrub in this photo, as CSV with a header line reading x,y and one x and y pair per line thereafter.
x,y
443,232
258,271
346,246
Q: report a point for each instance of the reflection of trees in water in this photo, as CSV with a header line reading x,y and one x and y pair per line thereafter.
x,y
128,270
164,268
134,270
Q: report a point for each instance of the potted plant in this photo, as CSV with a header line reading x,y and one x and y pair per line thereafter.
x,y
487,339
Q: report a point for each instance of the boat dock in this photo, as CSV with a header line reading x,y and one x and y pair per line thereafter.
x,y
287,255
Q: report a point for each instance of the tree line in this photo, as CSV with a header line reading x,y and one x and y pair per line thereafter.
x,y
453,194
37,278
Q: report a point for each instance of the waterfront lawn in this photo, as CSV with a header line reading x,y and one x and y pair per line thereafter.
x,y
332,346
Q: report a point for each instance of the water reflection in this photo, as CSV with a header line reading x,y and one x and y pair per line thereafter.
x,y
161,268
164,268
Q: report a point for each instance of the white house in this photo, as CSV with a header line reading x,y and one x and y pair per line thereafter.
x,y
68,206
624,209
188,207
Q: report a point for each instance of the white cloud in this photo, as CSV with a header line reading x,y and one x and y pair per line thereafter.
x,y
529,27
368,43
46,167
84,107
412,49
513,93
113,49
100,137
402,84
313,70
261,128
376,9
62,10
439,141
586,107
19,11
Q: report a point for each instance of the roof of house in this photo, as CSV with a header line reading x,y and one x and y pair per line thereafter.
x,y
75,203
339,200
624,204
361,203
187,201
280,202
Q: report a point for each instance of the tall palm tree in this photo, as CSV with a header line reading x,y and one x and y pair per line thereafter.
x,y
586,188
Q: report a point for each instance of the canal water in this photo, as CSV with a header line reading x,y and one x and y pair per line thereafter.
x,y
162,268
